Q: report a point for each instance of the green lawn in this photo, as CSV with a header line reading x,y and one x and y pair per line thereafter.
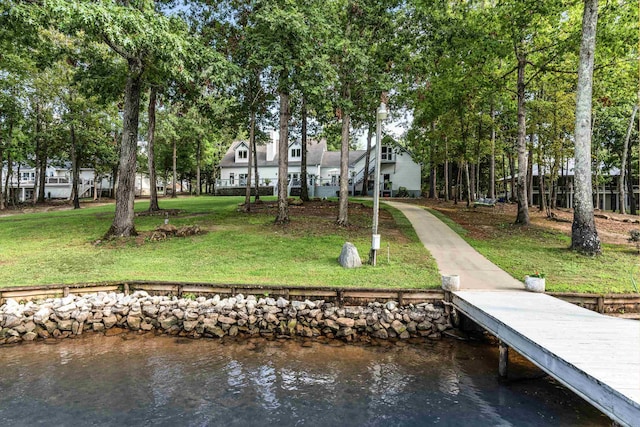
x,y
58,247
525,250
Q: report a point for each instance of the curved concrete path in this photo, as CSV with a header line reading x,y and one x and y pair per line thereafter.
x,y
453,255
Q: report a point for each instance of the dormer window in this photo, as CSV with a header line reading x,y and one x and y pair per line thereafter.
x,y
296,153
242,154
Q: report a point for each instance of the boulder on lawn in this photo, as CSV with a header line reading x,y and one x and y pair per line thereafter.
x,y
349,257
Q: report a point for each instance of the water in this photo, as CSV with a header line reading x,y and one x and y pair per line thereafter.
x,y
162,381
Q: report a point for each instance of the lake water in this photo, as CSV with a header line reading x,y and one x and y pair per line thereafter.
x,y
162,381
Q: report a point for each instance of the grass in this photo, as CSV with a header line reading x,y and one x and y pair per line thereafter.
x,y
526,250
58,247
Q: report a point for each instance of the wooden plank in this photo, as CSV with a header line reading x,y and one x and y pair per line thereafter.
x,y
25,294
596,356
328,293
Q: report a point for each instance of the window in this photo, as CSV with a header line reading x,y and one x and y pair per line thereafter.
x,y
386,153
243,154
231,179
295,177
296,153
243,178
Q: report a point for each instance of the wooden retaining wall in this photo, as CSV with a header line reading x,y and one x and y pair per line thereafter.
x,y
621,305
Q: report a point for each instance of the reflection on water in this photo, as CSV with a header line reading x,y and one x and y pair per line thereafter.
x,y
166,381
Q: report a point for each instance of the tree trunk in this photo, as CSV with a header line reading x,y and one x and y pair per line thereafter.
x,y
343,204
252,136
541,187
95,185
122,225
38,153
367,161
2,195
471,181
199,167
75,169
632,195
446,169
584,236
512,171
530,173
433,170
151,138
523,208
492,161
6,179
255,159
175,169
468,183
42,176
504,180
1,163
623,162
283,160
304,190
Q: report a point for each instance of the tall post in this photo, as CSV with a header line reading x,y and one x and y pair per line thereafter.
x,y
381,114
503,361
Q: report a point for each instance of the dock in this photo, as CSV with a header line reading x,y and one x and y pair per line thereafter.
x,y
595,356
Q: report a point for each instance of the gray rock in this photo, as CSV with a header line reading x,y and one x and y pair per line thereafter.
x,y
65,324
381,334
424,326
30,326
298,305
226,320
282,303
42,315
168,322
134,322
343,332
361,323
332,324
12,320
51,326
98,327
29,336
391,305
271,318
189,325
109,321
346,322
349,257
146,326
398,327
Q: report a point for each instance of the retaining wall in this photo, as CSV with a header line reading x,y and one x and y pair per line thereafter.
x,y
196,317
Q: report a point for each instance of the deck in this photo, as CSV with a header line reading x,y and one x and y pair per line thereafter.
x,y
596,356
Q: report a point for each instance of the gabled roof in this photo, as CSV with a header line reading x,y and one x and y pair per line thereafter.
x,y
315,153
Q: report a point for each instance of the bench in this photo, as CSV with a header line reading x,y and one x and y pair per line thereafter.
x,y
491,203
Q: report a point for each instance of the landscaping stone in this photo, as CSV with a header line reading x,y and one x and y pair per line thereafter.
x,y
114,314
349,257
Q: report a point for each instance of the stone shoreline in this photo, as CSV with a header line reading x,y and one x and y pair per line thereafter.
x,y
216,317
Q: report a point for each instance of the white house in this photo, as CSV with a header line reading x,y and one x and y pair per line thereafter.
x,y
398,169
58,183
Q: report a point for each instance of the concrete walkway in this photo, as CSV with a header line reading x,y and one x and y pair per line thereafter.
x,y
453,255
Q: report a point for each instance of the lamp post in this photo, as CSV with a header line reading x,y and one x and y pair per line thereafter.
x,y
381,114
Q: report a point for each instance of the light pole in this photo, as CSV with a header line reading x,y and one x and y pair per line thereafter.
x,y
381,115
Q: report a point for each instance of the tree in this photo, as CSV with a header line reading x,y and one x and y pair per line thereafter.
x,y
584,236
138,34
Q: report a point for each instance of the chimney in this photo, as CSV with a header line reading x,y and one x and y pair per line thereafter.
x,y
272,146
